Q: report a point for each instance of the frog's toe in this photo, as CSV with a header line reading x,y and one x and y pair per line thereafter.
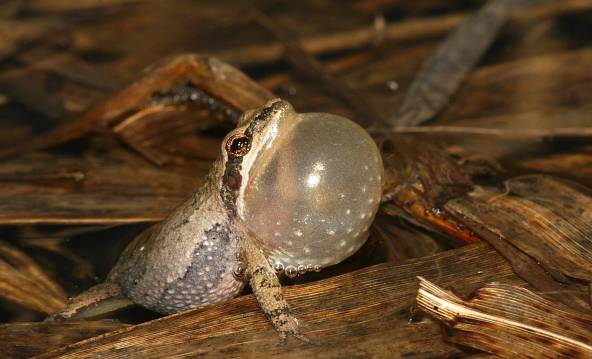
x,y
284,334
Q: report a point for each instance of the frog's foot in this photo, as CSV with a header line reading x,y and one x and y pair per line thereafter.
x,y
284,322
268,291
100,299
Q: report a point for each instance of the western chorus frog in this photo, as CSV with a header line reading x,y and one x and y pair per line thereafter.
x,y
290,192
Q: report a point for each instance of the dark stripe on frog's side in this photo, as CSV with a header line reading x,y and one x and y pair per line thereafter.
x,y
231,182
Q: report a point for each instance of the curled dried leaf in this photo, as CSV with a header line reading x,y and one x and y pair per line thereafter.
x,y
419,178
509,321
548,219
166,83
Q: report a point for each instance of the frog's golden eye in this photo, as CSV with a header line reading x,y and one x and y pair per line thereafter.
x,y
238,146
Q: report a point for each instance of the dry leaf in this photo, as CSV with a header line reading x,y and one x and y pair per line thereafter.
x,y
548,219
509,321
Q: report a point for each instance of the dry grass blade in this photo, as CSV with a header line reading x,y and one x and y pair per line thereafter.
x,y
70,67
15,35
24,340
399,32
91,189
509,321
25,85
526,93
516,134
60,6
23,282
337,312
405,30
548,219
163,133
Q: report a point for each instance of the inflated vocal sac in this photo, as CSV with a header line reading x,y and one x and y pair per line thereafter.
x,y
312,197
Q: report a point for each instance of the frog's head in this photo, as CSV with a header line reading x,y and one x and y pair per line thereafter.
x,y
305,186
255,136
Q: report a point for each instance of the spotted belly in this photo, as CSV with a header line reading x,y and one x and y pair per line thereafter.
x,y
210,278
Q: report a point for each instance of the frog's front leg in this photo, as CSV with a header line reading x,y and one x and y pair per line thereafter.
x,y
268,291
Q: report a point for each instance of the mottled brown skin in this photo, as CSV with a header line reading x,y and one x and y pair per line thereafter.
x,y
192,258
269,294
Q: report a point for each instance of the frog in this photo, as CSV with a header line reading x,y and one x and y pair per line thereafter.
x,y
289,194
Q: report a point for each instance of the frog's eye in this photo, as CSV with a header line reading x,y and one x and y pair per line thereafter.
x,y
238,146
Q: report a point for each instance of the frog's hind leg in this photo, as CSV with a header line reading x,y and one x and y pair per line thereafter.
x,y
98,300
268,291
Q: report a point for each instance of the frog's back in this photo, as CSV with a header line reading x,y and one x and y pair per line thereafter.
x,y
185,261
